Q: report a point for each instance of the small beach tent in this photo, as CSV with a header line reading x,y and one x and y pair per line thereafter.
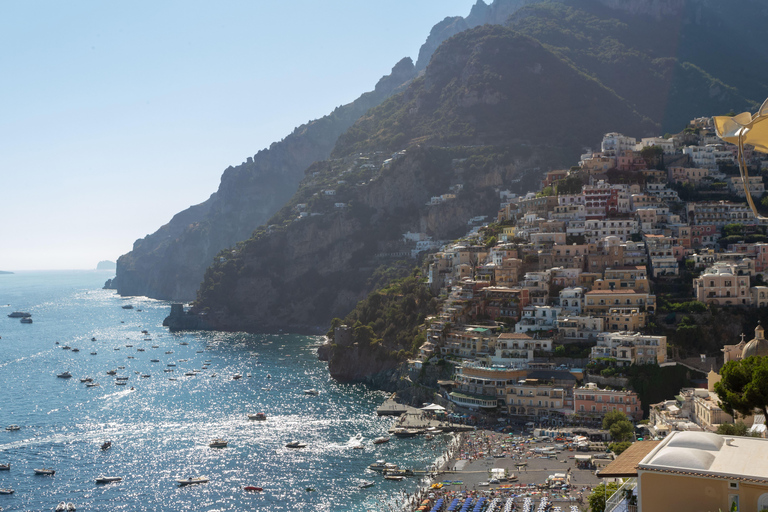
x,y
433,408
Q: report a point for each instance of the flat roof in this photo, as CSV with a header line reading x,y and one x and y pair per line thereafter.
x,y
625,465
710,455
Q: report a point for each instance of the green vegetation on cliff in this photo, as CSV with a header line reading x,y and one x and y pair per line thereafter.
x,y
392,318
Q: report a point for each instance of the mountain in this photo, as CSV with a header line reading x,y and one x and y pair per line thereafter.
x,y
169,264
495,104
481,114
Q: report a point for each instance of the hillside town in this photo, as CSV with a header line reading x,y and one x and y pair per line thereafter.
x,y
576,263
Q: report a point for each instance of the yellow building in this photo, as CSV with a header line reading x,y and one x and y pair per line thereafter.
x,y
692,472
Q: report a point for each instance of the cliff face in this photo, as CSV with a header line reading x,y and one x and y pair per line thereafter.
x,y
169,264
303,271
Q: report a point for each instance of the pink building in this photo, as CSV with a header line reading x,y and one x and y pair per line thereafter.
x,y
592,401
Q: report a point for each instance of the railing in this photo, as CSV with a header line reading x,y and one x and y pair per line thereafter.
x,y
620,501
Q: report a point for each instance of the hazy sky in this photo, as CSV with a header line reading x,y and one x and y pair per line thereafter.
x,y
116,115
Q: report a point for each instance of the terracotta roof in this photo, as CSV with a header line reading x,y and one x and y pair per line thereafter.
x,y
625,464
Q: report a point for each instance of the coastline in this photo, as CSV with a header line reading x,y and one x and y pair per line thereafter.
x,y
464,469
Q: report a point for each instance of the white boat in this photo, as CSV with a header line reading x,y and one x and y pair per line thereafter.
x,y
92,385
312,391
237,376
259,416
396,478
380,440
192,481
296,444
108,479
382,466
120,383
86,379
12,427
44,471
6,491
218,443
5,467
366,483
64,375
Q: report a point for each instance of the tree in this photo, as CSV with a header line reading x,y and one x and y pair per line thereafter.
x,y
618,448
742,387
600,495
619,426
735,429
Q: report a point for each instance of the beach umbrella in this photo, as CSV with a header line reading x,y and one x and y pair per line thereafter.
x,y
741,129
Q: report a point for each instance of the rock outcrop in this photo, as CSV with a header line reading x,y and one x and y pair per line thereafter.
x,y
169,264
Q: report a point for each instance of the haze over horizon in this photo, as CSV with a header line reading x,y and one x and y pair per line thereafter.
x,y
118,116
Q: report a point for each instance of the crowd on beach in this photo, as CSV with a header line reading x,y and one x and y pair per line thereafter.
x,y
465,472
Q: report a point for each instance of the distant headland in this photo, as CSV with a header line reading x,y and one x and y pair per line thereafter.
x,y
5,272
106,265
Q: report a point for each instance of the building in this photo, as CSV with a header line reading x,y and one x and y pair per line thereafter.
x,y
515,348
599,302
692,472
756,187
721,284
627,348
592,401
719,213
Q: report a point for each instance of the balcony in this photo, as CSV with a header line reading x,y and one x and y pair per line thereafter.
x,y
624,499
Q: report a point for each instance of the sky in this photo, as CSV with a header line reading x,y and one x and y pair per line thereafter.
x,y
114,116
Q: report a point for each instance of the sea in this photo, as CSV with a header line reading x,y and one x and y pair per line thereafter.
x,y
161,422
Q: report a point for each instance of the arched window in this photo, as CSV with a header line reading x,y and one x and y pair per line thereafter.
x,y
762,501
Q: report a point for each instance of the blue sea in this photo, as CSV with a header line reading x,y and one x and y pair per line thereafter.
x,y
160,429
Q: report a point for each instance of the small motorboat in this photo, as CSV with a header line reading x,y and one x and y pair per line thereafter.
x,y
93,339
237,376
106,445
75,350
6,491
259,416
218,443
86,379
154,360
312,391
66,507
128,306
192,481
108,479
252,488
12,427
5,467
120,383
93,353
44,471
366,484
296,444
382,466
396,478
183,343
64,375
92,385
112,372
26,320
380,440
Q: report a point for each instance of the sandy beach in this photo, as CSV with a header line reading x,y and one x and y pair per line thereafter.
x,y
466,471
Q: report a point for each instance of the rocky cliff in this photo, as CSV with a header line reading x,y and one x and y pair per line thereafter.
x,y
488,93
169,264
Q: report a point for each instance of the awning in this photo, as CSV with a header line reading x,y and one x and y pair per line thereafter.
x,y
433,408
625,465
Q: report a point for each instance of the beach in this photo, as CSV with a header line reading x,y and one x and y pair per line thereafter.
x,y
473,458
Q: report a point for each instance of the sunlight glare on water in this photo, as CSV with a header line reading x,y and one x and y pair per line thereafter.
x,y
160,430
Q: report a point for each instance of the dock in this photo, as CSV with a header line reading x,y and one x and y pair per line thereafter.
x,y
391,408
416,419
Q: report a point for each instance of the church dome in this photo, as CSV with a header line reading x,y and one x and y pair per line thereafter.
x,y
758,346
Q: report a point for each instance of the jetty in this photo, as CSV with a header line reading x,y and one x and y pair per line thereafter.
x,y
412,418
